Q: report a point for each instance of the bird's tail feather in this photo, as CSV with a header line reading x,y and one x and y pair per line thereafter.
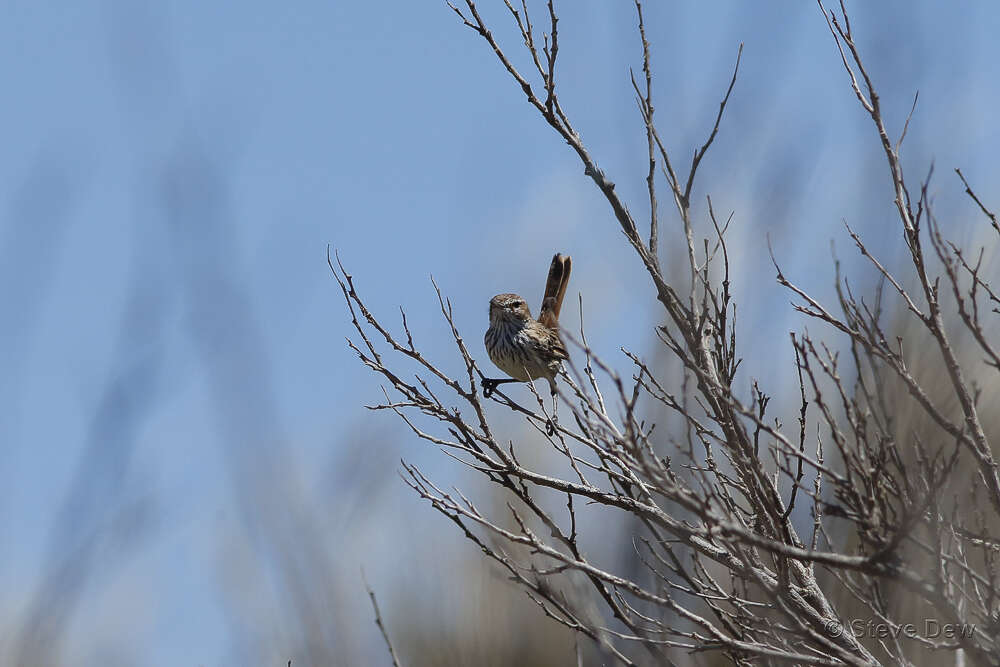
x,y
555,290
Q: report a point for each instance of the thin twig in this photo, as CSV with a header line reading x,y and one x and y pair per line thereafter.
x,y
378,621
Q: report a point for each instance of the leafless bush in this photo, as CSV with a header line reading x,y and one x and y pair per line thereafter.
x,y
890,510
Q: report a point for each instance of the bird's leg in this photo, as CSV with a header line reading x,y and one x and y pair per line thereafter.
x,y
553,421
490,385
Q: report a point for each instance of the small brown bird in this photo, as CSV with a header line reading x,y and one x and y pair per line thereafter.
x,y
525,348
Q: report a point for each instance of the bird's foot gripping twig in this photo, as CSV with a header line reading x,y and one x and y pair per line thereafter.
x,y
490,385
552,423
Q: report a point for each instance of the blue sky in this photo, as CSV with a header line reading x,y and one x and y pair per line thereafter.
x,y
176,376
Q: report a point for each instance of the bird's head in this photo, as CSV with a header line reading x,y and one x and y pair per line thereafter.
x,y
508,308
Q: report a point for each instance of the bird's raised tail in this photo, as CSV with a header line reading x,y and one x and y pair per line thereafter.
x,y
555,290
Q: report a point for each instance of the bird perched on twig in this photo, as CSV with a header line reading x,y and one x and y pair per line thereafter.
x,y
525,348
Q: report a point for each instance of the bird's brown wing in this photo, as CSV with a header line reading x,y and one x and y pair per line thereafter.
x,y
547,344
555,290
